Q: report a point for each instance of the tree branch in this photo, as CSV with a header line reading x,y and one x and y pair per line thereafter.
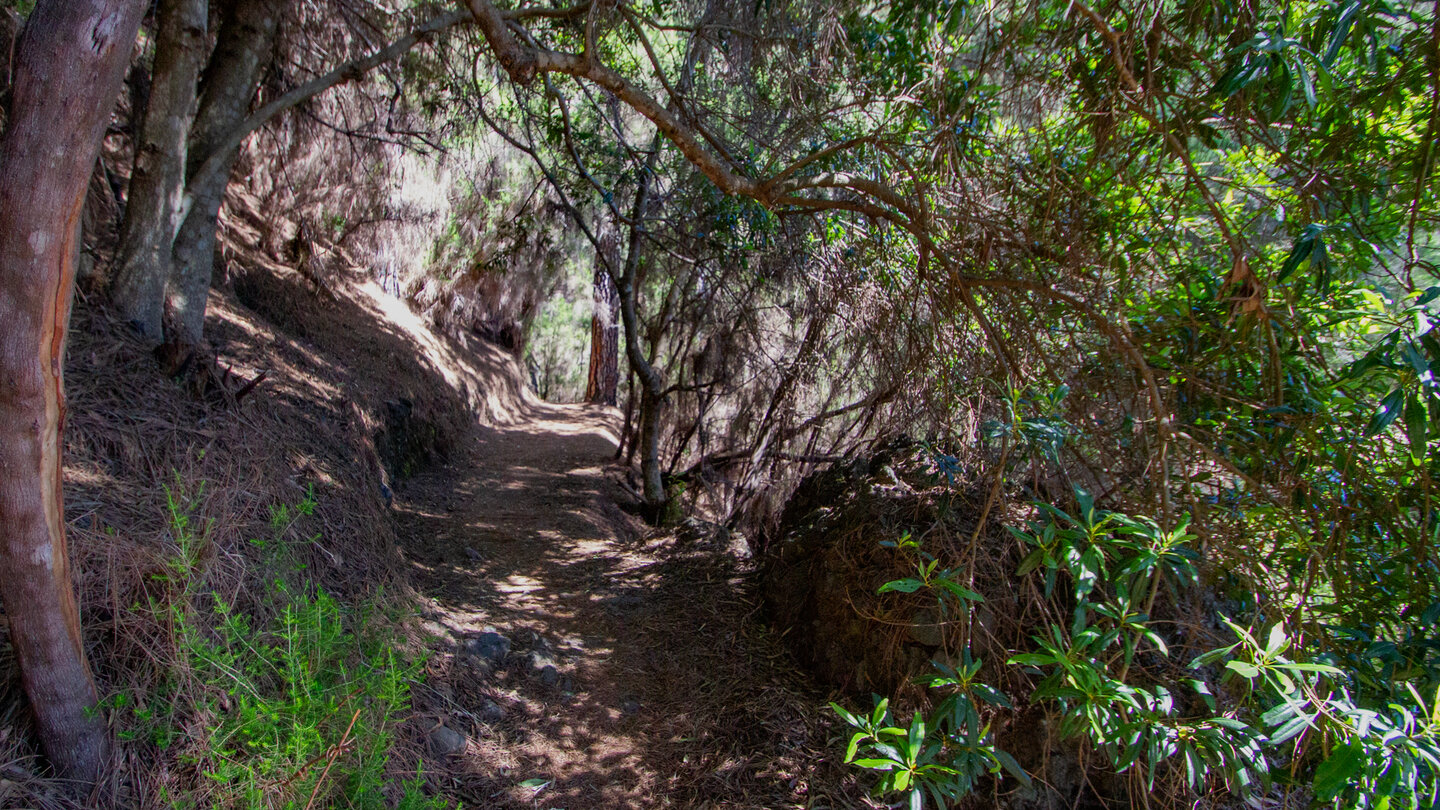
x,y
217,160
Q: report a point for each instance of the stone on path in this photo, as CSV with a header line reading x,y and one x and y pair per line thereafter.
x,y
446,741
544,667
489,646
491,712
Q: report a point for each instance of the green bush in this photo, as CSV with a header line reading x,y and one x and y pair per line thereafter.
x,y
1299,716
295,708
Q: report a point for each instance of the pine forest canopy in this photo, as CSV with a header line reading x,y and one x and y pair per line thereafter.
x,y
1174,259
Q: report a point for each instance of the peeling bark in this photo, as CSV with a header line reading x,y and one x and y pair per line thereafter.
x,y
603,381
70,63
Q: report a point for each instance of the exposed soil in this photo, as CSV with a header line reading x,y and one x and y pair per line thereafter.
x,y
666,691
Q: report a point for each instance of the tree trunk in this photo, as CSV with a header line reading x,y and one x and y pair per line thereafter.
x,y
603,382
650,473
652,384
209,173
70,64
157,187
243,49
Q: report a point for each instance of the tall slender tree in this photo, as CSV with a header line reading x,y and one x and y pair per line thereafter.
x,y
153,209
603,381
244,47
70,63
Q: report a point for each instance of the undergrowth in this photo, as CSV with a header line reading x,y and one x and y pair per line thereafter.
x,y
291,704
1268,714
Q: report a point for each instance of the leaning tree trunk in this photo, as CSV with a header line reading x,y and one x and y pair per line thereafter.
x,y
209,173
70,63
652,384
603,381
243,50
157,187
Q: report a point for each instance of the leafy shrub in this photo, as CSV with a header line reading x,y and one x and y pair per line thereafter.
x,y
1329,721
296,710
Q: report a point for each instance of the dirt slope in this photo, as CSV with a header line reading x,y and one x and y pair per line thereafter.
x,y
665,691
637,674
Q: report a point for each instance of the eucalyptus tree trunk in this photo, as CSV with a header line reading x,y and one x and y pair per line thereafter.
x,y
244,48
70,63
157,187
603,381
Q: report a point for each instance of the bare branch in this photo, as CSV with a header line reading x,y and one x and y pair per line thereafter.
x,y
217,160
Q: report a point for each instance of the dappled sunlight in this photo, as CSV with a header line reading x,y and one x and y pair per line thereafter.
x,y
514,538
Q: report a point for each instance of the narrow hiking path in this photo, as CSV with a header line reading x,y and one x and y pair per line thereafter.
x,y
587,662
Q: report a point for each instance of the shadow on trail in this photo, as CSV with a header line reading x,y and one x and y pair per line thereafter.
x,y
666,690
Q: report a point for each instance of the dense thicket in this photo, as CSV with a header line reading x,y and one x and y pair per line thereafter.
x,y
1168,269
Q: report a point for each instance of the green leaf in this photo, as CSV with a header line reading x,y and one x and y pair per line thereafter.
x,y
1388,411
992,696
902,779
1308,85
534,783
1194,769
1290,729
961,592
1335,773
917,736
1341,32
1031,561
1230,723
902,585
1277,642
1243,669
1203,689
1211,657
1298,254
1012,767
1031,659
876,764
1416,427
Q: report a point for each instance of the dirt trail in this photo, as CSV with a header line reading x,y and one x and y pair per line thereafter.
x,y
665,691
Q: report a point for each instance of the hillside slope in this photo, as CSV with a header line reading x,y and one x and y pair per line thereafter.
x,y
358,393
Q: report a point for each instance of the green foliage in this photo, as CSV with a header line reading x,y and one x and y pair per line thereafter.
x,y
940,754
1379,742
558,349
1032,422
294,710
1387,756
1116,566
945,584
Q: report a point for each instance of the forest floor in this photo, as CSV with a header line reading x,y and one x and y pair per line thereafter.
x,y
586,662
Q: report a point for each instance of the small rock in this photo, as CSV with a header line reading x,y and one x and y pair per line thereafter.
x,y
926,628
631,706
446,741
473,554
543,667
491,712
623,603
489,646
